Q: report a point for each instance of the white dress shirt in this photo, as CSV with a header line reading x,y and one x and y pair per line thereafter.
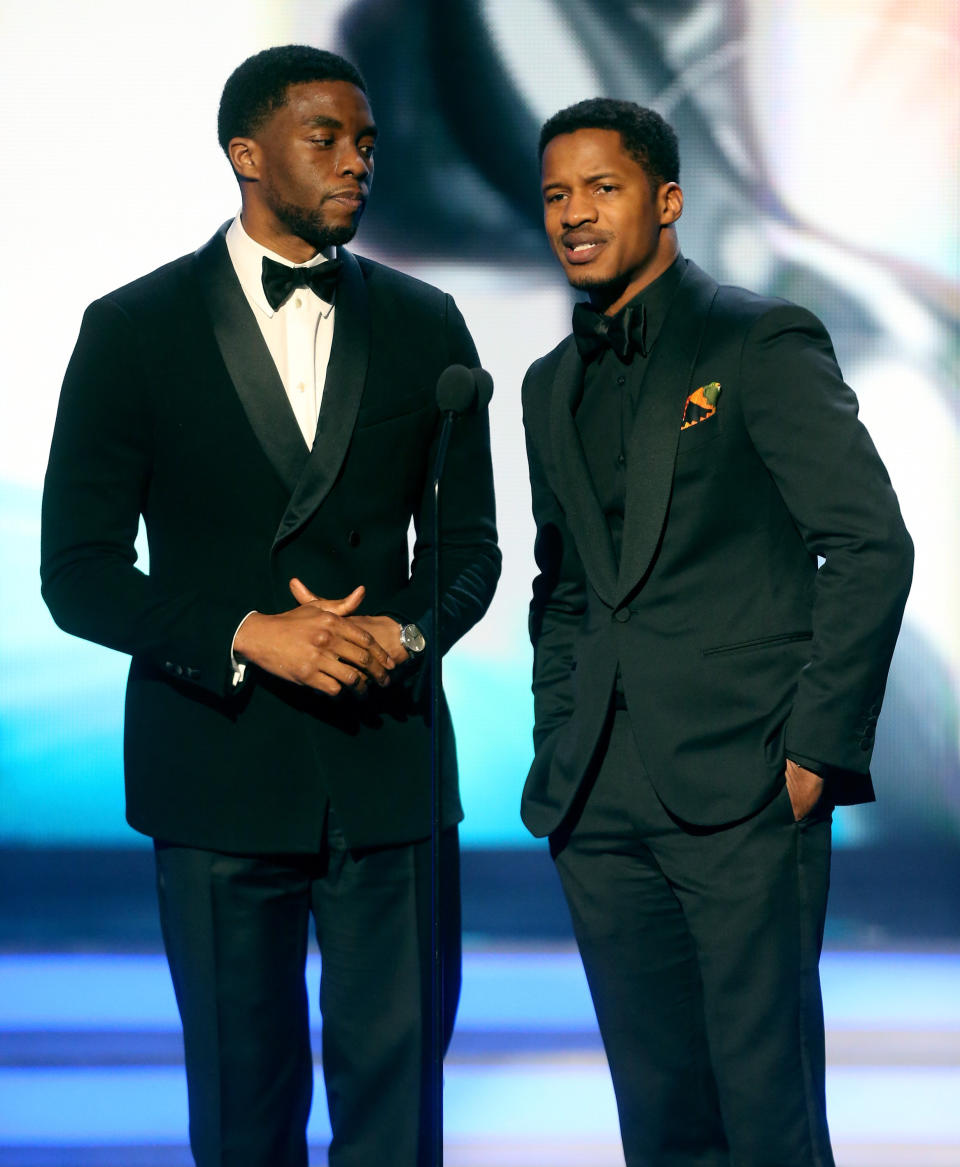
x,y
298,334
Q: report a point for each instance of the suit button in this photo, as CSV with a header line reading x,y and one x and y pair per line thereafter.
x,y
354,538
622,615
866,743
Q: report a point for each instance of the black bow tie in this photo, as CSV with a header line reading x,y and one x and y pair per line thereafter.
x,y
624,333
279,280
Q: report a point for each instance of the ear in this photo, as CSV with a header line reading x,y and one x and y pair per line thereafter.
x,y
670,203
244,154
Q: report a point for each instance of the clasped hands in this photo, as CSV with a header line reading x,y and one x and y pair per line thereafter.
x,y
323,644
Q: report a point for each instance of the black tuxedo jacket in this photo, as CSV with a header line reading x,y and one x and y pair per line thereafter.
x,y
172,409
735,650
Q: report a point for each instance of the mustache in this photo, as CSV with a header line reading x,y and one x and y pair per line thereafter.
x,y
356,191
580,235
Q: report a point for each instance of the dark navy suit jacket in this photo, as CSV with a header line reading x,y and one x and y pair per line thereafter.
x,y
735,650
173,409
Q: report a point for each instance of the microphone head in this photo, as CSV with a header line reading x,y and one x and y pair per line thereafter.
x,y
456,391
463,390
484,384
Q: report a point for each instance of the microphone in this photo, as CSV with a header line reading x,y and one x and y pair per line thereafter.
x,y
461,390
484,384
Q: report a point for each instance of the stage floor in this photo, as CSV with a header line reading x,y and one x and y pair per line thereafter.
x,y
91,1072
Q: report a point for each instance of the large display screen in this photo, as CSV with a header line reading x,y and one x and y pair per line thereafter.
x,y
819,162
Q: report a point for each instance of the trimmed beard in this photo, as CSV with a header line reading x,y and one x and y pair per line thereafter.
x,y
605,290
310,225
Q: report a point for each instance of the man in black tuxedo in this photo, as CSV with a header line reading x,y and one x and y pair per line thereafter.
x,y
704,694
267,404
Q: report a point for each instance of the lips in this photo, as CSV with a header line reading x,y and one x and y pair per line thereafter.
x,y
581,248
351,198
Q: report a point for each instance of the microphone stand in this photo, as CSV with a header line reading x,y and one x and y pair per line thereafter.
x,y
459,390
436,826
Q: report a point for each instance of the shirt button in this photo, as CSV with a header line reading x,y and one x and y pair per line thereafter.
x,y
298,303
301,387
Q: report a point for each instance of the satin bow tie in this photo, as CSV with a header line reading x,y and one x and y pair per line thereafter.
x,y
279,280
624,333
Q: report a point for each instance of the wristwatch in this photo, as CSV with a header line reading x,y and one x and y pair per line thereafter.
x,y
412,639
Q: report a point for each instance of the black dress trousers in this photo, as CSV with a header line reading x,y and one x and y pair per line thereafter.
x,y
701,948
235,932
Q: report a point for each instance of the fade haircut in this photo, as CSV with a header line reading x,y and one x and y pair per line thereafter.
x,y
646,137
259,86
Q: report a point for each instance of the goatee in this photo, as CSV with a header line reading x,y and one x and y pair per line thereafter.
x,y
602,292
311,227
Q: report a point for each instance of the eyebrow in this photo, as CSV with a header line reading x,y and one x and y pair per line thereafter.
x,y
331,123
589,178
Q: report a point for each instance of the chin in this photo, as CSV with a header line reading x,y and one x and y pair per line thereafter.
x,y
312,228
588,281
336,236
321,234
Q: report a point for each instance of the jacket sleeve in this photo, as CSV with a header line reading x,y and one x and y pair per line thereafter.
x,y
469,555
802,420
559,591
96,488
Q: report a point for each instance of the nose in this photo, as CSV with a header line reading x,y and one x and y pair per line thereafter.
x,y
578,208
354,164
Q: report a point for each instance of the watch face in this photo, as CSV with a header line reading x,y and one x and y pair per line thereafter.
x,y
412,638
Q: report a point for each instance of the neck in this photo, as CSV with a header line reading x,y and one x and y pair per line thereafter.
x,y
264,229
612,297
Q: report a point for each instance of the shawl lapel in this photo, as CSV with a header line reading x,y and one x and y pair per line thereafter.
x,y
249,363
573,485
656,428
343,388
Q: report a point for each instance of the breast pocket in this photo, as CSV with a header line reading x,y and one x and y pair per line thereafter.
x,y
695,436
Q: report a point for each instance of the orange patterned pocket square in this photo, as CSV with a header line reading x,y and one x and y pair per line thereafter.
x,y
700,405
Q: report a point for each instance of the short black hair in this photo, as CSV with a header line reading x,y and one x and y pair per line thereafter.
x,y
259,86
646,137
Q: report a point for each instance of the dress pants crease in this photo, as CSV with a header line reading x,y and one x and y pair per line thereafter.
x,y
235,933
375,997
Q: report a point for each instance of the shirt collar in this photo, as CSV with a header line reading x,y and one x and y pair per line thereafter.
x,y
247,254
657,297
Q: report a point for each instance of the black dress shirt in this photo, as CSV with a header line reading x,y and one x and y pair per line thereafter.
x,y
608,404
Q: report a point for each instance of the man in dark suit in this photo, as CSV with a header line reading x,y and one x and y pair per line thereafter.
x,y
267,404
704,694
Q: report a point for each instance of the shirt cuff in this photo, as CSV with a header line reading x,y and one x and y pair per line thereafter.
x,y
239,667
811,764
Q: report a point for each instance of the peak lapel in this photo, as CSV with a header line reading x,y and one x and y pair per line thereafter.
x,y
342,390
656,428
249,363
574,486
